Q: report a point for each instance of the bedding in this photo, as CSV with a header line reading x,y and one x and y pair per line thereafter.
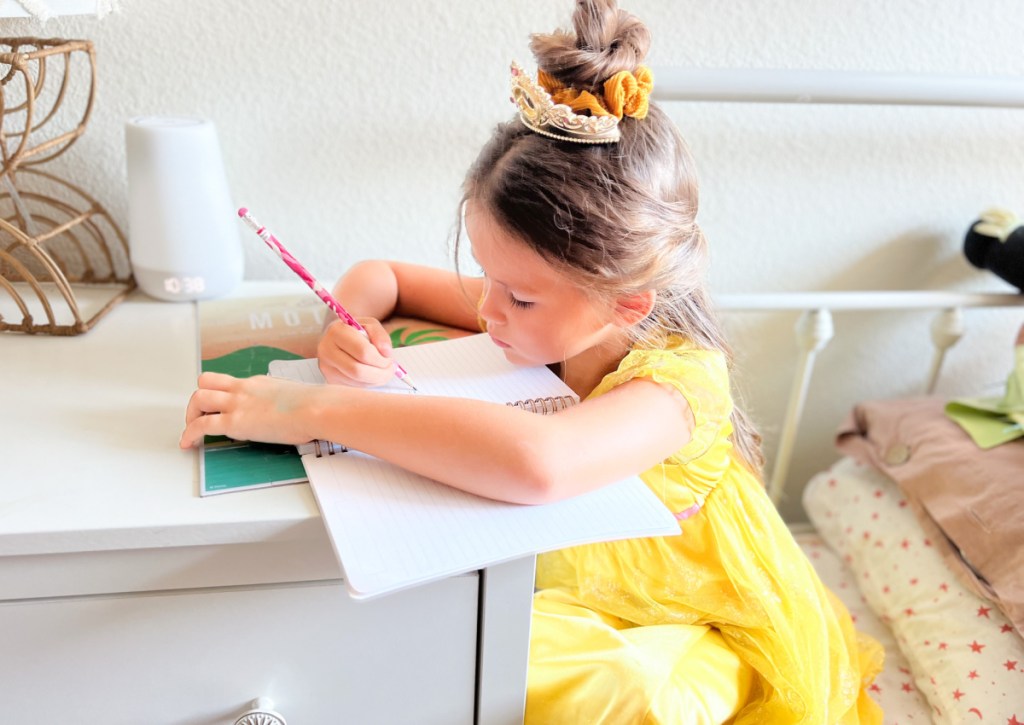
x,y
969,500
963,655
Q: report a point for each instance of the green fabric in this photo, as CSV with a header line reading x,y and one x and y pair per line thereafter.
x,y
991,421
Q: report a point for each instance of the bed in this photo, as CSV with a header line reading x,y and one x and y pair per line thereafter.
x,y
952,656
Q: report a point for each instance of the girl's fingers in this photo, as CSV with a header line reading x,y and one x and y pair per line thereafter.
x,y
366,349
217,381
202,414
348,357
349,373
200,427
334,373
379,337
204,401
257,408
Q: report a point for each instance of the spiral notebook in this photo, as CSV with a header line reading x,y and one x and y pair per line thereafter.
x,y
393,529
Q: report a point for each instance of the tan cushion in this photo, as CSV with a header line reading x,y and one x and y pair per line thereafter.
x,y
971,500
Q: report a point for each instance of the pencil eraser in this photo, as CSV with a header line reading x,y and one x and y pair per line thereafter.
x,y
243,211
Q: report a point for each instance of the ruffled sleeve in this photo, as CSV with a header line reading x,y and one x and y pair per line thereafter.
x,y
701,376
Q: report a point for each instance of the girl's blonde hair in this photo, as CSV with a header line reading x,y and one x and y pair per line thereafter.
x,y
621,217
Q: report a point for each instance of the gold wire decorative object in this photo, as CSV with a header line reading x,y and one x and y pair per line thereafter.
x,y
63,260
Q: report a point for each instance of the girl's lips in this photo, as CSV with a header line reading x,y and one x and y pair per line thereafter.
x,y
498,342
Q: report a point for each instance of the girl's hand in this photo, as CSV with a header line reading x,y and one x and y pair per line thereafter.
x,y
347,356
259,408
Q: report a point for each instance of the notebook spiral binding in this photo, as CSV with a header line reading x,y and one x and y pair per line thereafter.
x,y
545,406
326,448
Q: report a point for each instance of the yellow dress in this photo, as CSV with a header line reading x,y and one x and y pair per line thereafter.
x,y
727,622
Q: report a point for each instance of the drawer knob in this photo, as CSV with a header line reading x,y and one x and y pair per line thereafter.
x,y
261,712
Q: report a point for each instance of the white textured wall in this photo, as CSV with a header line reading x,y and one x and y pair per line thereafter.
x,y
347,126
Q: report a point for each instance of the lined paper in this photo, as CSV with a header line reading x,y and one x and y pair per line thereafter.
x,y
466,367
392,529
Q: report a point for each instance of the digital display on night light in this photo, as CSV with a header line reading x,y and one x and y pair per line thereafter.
x,y
184,285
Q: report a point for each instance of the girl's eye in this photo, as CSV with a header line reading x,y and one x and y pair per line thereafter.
x,y
521,304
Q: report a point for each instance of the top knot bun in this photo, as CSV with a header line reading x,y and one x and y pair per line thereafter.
x,y
604,41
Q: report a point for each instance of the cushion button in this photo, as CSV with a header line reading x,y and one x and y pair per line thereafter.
x,y
897,454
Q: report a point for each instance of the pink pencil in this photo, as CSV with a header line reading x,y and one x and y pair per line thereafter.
x,y
296,266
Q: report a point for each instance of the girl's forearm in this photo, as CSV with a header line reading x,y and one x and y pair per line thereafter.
x,y
486,449
368,289
502,452
382,288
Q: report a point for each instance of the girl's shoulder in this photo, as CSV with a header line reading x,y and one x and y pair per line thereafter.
x,y
699,374
676,361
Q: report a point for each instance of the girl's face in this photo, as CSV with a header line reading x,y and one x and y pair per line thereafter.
x,y
534,312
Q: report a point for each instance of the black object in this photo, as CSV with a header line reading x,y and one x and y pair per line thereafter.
x,y
1005,259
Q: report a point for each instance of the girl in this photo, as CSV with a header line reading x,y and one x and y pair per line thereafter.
x,y
584,227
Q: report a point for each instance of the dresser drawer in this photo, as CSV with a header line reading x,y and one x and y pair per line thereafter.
x,y
202,656
166,568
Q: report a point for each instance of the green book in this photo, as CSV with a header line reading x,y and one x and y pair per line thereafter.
x,y
240,337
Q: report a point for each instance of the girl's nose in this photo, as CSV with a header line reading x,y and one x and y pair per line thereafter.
x,y
490,309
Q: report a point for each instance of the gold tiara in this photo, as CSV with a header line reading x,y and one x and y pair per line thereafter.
x,y
541,114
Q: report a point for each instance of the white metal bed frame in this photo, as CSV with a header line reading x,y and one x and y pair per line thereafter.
x,y
814,328
825,86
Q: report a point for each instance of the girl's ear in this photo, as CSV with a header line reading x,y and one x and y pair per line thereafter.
x,y
631,309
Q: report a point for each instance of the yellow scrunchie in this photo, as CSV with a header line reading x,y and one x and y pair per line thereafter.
x,y
629,93
625,94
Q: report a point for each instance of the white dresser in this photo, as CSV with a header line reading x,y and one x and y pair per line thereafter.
x,y
127,598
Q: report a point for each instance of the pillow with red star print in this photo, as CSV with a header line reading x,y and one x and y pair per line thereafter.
x,y
964,655
893,689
